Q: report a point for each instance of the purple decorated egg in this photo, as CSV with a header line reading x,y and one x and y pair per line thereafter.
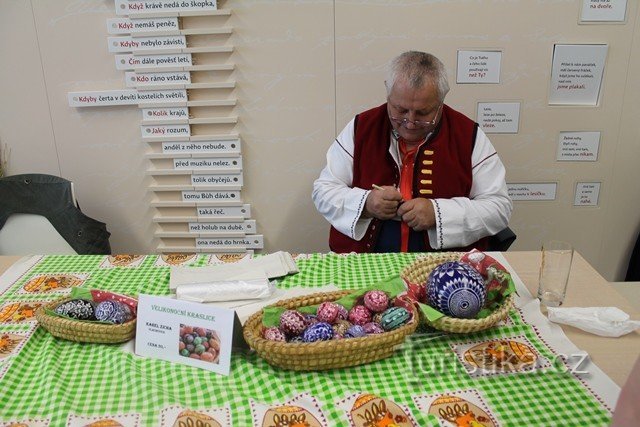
x,y
359,315
273,334
327,312
376,301
292,322
105,310
341,326
372,328
343,313
355,331
321,331
310,319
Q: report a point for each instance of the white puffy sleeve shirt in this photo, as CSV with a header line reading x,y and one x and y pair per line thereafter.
x,y
460,221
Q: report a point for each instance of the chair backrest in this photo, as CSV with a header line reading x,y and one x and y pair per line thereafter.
x,y
40,215
502,241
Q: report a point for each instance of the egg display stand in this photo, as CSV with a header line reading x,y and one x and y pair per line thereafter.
x,y
418,272
323,355
83,331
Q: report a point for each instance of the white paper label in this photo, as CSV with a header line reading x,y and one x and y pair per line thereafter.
x,y
499,117
243,211
234,163
133,7
603,10
168,131
103,98
578,146
162,96
231,146
147,25
122,44
476,66
149,80
587,194
165,113
247,227
576,75
210,196
532,191
255,241
159,42
127,62
229,179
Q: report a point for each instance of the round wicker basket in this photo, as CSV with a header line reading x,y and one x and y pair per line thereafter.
x,y
79,331
322,355
418,272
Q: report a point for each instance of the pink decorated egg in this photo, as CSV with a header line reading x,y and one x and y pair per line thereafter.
x,y
359,315
343,313
376,301
292,322
273,334
327,312
372,328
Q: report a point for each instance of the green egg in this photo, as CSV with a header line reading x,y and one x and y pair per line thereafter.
x,y
200,349
197,341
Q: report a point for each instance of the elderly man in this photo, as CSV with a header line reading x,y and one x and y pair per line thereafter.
x,y
413,174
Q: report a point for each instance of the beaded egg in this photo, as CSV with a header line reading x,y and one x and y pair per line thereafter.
x,y
355,331
394,317
321,331
341,326
327,312
77,309
273,334
456,289
372,328
359,315
343,313
376,301
292,322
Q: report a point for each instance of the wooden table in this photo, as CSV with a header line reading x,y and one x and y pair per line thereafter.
x,y
615,356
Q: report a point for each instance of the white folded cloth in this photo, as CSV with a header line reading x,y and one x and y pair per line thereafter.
x,y
226,290
603,321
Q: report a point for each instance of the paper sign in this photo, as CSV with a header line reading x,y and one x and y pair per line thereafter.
x,y
165,131
148,80
122,44
147,25
499,117
165,113
255,241
217,163
223,180
162,96
603,10
476,66
210,196
576,76
587,194
578,146
231,146
128,62
103,98
246,227
532,191
176,331
133,7
243,211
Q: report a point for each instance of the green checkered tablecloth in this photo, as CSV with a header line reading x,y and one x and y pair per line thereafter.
x,y
52,380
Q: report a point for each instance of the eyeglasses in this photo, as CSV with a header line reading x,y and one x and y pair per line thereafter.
x,y
417,123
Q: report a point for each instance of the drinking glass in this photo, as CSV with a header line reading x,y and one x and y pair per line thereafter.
x,y
554,272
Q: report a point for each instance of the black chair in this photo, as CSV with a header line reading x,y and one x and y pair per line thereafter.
x,y
502,241
633,270
40,215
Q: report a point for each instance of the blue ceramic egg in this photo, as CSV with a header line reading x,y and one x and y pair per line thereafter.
x,y
456,290
320,331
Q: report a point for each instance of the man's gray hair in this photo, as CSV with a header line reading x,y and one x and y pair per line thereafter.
x,y
414,66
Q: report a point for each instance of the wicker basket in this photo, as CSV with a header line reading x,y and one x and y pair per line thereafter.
x,y
322,355
418,272
79,331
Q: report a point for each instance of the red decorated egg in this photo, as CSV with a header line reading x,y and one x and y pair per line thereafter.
x,y
274,334
327,312
376,301
292,322
359,315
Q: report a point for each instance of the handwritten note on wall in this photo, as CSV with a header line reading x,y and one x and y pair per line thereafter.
x,y
576,75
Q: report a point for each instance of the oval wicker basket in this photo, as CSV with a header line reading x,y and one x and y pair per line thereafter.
x,y
418,272
79,331
322,355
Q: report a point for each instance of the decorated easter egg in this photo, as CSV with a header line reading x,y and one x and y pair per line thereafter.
x,y
355,331
273,334
372,328
310,319
121,314
456,289
394,317
455,410
321,331
359,315
292,322
502,356
341,326
377,318
295,340
376,301
77,309
327,312
343,313
105,309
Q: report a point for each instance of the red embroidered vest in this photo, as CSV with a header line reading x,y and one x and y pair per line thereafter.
x,y
442,167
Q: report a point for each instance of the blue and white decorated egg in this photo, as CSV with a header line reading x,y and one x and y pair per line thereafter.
x,y
456,289
320,331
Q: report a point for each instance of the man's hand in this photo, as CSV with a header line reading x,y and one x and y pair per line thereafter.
x,y
382,203
418,214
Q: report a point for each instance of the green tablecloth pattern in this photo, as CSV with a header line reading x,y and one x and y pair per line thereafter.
x,y
51,378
